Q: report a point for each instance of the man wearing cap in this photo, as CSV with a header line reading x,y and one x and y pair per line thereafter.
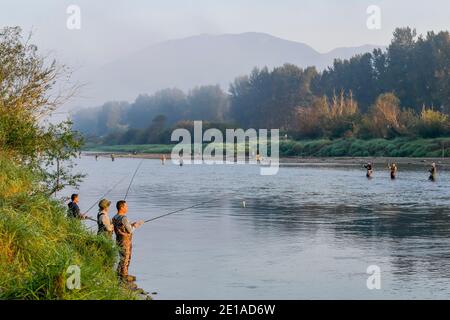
x,y
105,226
124,234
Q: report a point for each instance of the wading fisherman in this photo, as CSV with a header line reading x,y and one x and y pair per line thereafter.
x,y
96,157
163,159
393,169
105,226
124,234
112,157
258,158
369,169
74,209
432,172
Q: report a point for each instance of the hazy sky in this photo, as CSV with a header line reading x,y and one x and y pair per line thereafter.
x,y
111,28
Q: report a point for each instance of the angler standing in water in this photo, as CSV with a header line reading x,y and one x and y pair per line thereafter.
x,y
393,169
74,209
112,157
105,226
369,168
432,172
258,158
124,235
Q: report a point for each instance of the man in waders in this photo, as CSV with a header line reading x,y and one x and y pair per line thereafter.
x,y
393,169
124,234
74,209
432,172
104,223
369,169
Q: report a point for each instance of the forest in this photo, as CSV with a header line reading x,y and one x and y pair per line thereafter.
x,y
402,91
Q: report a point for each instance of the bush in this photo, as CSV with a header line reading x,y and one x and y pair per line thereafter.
x,y
38,243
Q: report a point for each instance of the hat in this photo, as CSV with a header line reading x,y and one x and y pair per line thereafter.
x,y
103,204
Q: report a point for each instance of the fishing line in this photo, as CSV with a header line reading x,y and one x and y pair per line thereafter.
x,y
108,192
131,182
179,210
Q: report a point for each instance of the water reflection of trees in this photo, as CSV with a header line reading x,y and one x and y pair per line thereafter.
x,y
416,238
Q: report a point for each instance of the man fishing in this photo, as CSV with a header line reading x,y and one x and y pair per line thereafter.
x,y
433,172
393,169
74,209
105,226
124,234
369,169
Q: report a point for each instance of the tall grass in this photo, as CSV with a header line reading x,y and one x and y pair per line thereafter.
x,y
38,243
399,147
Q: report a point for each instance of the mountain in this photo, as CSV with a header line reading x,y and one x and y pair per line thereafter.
x,y
201,60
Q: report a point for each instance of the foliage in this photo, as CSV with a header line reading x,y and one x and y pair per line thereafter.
x,y
381,94
38,243
28,94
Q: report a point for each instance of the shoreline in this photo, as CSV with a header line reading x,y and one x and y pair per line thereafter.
x,y
287,161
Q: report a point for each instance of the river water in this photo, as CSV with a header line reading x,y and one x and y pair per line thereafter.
x,y
309,232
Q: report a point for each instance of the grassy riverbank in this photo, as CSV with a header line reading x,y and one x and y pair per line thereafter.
x,y
38,244
400,147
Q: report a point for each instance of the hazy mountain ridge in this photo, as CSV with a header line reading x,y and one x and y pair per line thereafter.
x,y
201,60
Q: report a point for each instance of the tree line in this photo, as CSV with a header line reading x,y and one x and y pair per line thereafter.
x,y
403,90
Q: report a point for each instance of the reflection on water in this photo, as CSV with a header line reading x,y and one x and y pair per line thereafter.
x,y
307,232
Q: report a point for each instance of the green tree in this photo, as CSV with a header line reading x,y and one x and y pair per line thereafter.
x,y
27,98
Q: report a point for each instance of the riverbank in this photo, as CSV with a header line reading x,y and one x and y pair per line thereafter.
x,y
41,249
310,161
320,148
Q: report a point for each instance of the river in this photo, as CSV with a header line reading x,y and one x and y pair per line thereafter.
x,y
308,232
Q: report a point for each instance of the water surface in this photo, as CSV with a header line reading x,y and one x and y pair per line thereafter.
x,y
308,232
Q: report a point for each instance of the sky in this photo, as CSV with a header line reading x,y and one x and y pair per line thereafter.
x,y
110,29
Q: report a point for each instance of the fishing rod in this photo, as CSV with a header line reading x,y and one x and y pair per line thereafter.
x,y
108,192
92,219
131,181
179,210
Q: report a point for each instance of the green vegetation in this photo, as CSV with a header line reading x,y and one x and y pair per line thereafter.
x,y
140,148
38,243
402,91
398,147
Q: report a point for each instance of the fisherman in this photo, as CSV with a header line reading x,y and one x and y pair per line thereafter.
x,y
124,234
112,157
369,168
104,224
432,172
163,159
74,209
258,158
96,157
393,169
